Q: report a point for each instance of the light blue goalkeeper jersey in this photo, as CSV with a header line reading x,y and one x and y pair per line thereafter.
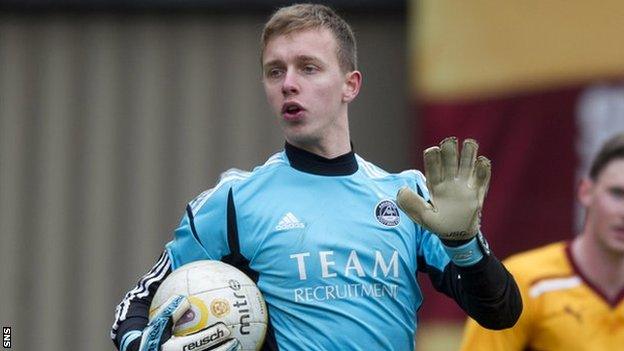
x,y
334,257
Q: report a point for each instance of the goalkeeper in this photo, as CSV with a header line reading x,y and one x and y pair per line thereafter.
x,y
334,243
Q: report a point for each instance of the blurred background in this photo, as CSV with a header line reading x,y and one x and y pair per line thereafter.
x,y
114,114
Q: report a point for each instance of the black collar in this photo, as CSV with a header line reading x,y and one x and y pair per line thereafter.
x,y
308,162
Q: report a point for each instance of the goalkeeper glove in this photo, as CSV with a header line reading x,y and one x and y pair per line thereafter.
x,y
157,335
457,191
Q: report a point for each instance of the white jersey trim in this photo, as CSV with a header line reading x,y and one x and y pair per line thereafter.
x,y
554,284
156,274
370,169
276,158
377,173
226,177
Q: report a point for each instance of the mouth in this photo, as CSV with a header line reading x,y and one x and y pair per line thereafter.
x,y
292,111
617,231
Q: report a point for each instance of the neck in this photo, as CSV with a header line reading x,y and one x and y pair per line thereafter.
x,y
326,150
603,267
334,141
308,162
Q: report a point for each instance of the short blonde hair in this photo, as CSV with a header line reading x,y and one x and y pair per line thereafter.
x,y
300,17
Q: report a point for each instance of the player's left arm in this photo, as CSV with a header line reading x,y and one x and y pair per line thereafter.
x,y
457,185
516,338
486,291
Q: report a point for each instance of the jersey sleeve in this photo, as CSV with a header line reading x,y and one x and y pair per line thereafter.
x,y
202,232
132,312
485,290
201,235
516,338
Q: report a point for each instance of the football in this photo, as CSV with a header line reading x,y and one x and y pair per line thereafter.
x,y
218,292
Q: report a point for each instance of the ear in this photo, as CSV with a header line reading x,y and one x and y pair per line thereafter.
x,y
353,82
585,192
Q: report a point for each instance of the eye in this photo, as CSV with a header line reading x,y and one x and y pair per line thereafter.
x,y
274,72
309,69
617,192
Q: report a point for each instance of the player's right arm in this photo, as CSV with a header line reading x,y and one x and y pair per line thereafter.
x,y
201,234
132,313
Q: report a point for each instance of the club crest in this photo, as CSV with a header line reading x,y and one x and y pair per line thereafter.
x,y
387,213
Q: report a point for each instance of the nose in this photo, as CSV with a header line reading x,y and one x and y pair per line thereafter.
x,y
290,86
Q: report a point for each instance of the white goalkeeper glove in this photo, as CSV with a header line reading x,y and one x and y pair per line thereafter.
x,y
457,191
157,335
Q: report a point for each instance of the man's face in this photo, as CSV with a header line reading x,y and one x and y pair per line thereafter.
x,y
306,87
604,200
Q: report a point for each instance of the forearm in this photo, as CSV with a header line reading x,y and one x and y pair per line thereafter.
x,y
489,293
133,311
127,337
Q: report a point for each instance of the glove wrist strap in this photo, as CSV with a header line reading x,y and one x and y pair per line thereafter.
x,y
466,254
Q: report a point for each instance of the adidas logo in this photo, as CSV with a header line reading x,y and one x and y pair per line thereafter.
x,y
289,221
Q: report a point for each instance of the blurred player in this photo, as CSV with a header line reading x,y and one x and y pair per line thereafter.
x,y
318,228
573,292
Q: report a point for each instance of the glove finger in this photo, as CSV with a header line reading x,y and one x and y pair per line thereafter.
x,y
482,175
433,166
173,308
413,205
448,149
159,328
467,158
202,340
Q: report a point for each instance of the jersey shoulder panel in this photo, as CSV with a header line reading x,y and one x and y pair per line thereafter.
x,y
226,180
410,177
542,273
235,177
371,170
549,261
260,173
